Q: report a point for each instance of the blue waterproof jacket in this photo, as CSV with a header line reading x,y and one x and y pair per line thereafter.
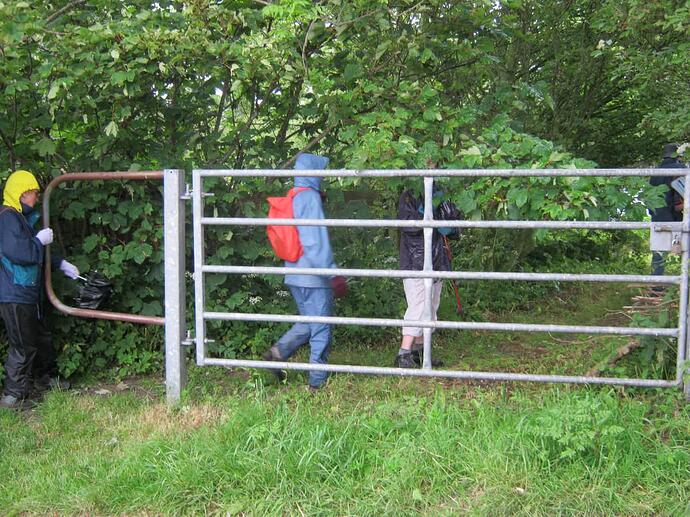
x,y
21,257
314,239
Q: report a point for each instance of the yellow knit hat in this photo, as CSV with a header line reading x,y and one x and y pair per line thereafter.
x,y
18,183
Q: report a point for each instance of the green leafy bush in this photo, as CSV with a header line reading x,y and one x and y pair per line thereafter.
x,y
224,85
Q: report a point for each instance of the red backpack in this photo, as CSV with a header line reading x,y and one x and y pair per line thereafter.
x,y
284,239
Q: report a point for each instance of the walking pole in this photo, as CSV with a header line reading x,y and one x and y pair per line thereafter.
x,y
446,245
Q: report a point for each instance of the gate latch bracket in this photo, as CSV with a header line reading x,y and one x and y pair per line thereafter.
x,y
189,340
665,240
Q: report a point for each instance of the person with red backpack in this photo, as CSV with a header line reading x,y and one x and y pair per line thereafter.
x,y
313,294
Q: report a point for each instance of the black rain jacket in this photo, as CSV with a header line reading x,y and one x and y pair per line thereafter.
x,y
412,239
667,213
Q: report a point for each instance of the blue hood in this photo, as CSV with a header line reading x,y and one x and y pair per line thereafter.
x,y
308,181
315,243
306,161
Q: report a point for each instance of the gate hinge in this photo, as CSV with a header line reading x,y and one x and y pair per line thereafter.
x,y
188,191
190,340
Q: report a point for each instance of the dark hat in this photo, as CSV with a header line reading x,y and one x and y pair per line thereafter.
x,y
670,150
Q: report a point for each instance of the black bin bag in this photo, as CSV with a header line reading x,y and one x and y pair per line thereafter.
x,y
94,290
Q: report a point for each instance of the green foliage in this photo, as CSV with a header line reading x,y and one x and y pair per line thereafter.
x,y
587,427
607,79
368,446
138,86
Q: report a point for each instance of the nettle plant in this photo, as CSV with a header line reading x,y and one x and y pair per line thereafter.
x,y
586,426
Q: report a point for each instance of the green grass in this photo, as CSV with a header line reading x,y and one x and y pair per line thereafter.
x,y
241,444
394,447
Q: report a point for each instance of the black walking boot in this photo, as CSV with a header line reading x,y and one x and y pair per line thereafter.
x,y
272,355
47,383
405,361
417,357
16,403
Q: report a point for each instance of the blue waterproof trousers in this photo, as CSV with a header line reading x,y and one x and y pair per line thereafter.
x,y
311,301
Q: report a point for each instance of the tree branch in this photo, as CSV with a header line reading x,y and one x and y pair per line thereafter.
x,y
292,107
309,145
221,107
304,49
439,70
10,149
63,10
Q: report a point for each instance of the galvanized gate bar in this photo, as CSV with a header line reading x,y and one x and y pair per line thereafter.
x,y
199,252
458,275
427,223
438,173
395,223
683,305
447,374
428,266
460,325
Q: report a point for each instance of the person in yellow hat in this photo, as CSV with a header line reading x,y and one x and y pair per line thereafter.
x,y
31,358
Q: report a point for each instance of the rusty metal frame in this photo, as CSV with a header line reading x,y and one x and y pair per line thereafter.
x,y
91,313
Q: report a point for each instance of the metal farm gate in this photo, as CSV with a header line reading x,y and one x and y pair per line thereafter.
x,y
178,337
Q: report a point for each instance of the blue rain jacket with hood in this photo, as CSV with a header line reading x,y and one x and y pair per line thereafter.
x,y
21,253
314,239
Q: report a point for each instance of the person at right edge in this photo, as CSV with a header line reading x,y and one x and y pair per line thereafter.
x,y
672,211
313,294
411,207
31,356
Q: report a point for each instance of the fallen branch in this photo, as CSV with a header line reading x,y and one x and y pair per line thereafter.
x,y
620,354
574,341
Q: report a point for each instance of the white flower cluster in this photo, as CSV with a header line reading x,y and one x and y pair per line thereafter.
x,y
253,300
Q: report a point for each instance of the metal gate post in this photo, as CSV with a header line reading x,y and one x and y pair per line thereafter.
x,y
199,252
175,307
683,374
428,266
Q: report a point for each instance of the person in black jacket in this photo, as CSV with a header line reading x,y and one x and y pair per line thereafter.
x,y
31,355
672,211
411,257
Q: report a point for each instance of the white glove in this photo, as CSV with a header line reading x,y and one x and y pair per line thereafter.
x,y
45,236
69,269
